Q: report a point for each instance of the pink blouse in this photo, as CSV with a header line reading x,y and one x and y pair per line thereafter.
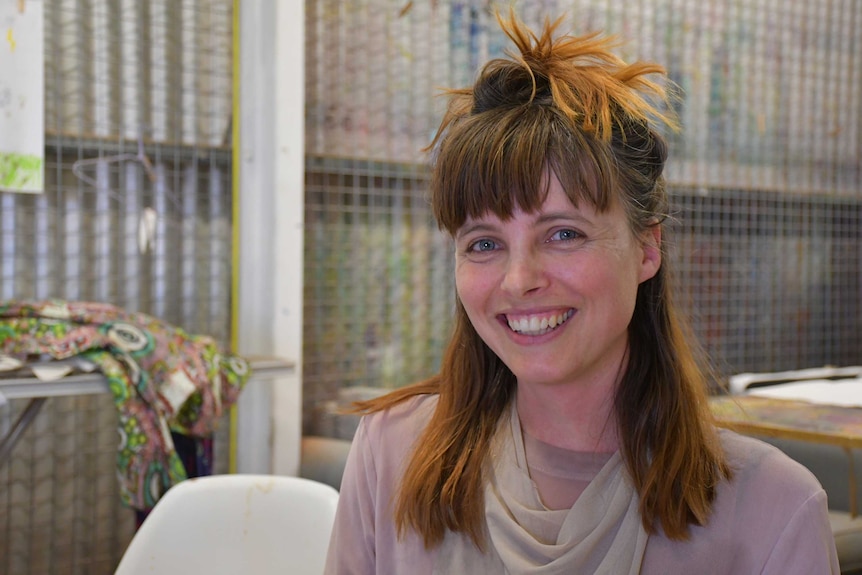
x,y
770,520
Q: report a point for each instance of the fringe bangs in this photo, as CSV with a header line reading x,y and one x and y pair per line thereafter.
x,y
498,161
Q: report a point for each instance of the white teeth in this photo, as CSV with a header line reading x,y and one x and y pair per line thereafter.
x,y
537,325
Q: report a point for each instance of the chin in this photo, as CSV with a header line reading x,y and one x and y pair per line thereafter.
x,y
538,378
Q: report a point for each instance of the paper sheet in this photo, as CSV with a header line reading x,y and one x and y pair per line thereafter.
x,y
843,392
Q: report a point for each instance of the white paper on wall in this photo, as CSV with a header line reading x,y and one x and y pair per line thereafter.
x,y
22,91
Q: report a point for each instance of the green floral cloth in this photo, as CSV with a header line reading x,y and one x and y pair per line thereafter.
x,y
162,379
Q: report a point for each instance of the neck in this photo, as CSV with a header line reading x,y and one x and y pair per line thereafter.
x,y
578,418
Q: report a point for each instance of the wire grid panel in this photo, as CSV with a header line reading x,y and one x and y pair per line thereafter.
x,y
58,492
378,284
137,114
373,68
765,172
772,280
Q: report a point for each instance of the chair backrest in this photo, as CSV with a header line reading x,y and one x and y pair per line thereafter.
x,y
230,524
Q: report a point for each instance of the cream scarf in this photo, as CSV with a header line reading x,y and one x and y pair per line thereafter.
x,y
601,534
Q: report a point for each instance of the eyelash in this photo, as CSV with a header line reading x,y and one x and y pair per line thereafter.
x,y
474,246
574,235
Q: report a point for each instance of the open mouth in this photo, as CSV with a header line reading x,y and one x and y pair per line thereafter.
x,y
538,324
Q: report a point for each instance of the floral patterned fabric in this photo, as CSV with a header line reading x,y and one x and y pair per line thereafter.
x,y
162,380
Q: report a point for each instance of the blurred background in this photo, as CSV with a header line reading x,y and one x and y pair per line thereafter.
x,y
765,179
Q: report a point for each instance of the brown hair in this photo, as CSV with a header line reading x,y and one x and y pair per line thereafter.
x,y
568,105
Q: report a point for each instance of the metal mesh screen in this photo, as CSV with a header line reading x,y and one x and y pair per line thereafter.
x,y
765,176
137,116
773,280
378,283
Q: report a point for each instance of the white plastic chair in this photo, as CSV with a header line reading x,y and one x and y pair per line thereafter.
x,y
235,524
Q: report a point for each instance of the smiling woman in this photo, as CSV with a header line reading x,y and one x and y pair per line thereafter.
x,y
538,285
567,431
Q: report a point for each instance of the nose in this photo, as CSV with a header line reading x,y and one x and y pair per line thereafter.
x,y
524,274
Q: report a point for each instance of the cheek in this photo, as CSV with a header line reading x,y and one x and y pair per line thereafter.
x,y
463,287
472,286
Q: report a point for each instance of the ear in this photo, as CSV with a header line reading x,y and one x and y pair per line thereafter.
x,y
651,246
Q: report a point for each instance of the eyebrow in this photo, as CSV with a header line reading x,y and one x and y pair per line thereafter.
x,y
554,216
544,218
476,227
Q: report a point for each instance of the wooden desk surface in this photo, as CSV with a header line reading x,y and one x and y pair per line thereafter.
x,y
790,419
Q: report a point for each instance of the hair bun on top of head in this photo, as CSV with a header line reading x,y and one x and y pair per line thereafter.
x,y
565,103
579,75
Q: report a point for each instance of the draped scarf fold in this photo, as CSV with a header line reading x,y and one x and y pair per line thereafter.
x,y
601,534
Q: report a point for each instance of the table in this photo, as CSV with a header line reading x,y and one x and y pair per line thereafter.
x,y
794,419
38,392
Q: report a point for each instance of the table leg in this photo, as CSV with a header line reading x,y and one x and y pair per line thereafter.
x,y
852,473
21,424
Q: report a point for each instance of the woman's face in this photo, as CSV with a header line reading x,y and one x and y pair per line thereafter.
x,y
552,292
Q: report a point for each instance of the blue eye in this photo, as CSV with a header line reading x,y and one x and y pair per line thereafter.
x,y
565,235
484,245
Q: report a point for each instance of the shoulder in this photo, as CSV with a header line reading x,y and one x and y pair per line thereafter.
x,y
769,518
387,437
364,537
776,509
767,487
760,466
403,421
